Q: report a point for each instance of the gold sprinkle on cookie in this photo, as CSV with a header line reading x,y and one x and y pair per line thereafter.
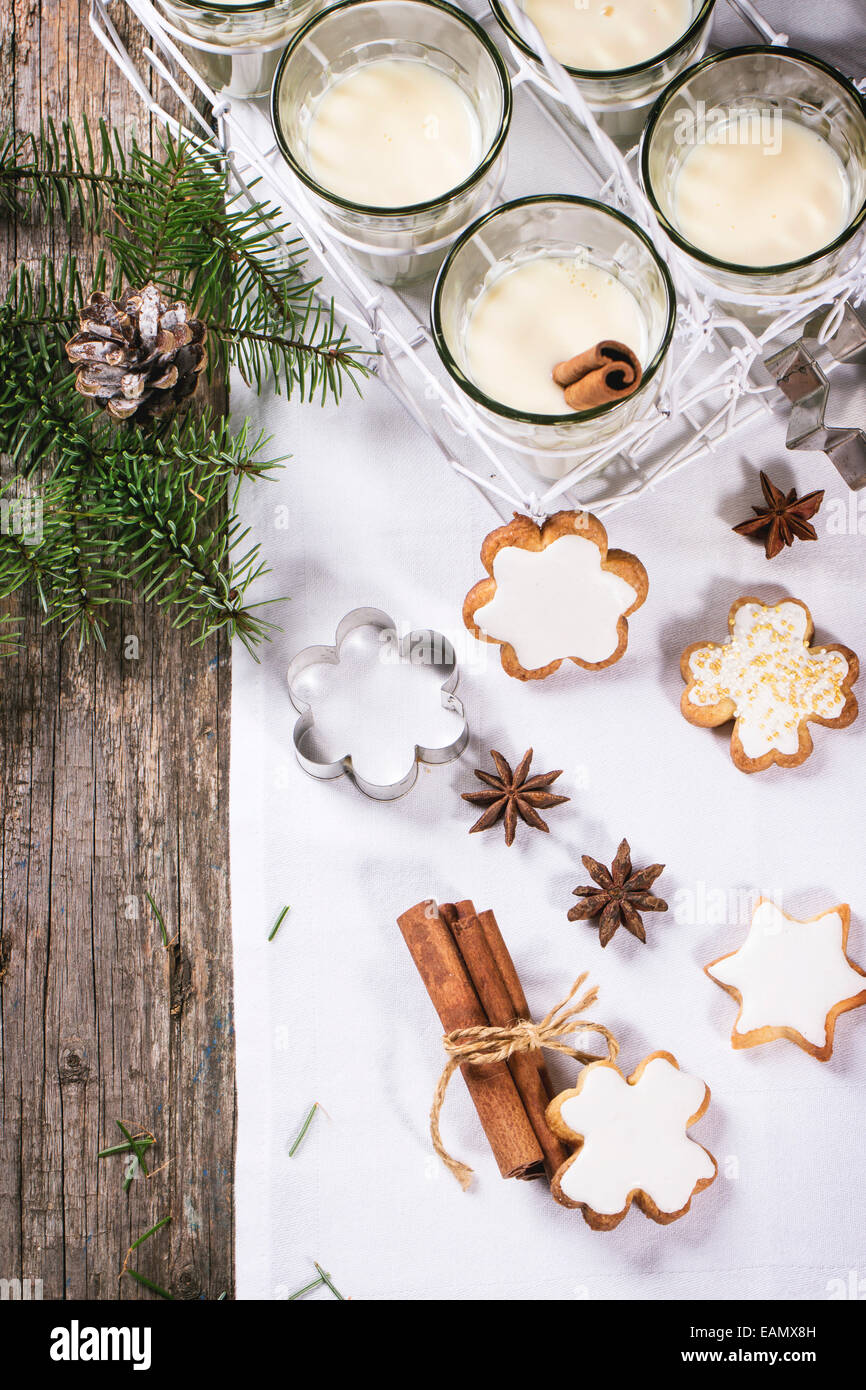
x,y
771,682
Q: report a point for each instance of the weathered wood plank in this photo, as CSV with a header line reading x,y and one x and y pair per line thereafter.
x,y
114,783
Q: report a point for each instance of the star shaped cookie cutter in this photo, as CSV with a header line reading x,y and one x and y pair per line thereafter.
x,y
421,647
802,371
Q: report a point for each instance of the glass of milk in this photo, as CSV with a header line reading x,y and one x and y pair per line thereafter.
x,y
236,46
620,53
755,163
394,115
532,284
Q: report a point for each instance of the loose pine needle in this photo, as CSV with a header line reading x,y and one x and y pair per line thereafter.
x,y
303,1130
159,917
326,1279
145,1140
316,1284
279,922
138,1148
166,1220
133,1273
149,1284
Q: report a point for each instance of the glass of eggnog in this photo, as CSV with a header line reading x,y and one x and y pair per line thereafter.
x,y
755,164
394,115
537,282
620,53
236,44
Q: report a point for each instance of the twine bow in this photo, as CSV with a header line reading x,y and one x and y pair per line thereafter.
x,y
484,1044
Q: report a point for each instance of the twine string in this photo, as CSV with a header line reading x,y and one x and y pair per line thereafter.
x,y
485,1044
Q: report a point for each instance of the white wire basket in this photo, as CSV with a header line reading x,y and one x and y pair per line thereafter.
x,y
714,381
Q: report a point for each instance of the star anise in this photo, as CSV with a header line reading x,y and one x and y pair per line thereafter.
x,y
621,896
785,517
512,794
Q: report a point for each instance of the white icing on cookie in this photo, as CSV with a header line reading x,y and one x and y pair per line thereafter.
x,y
634,1138
773,678
555,603
790,974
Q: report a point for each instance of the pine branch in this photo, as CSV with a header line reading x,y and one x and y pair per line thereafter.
x,y
175,529
86,586
47,174
259,354
66,569
154,506
155,510
166,218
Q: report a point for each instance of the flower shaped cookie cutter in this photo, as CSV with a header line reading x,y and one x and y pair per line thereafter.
x,y
419,647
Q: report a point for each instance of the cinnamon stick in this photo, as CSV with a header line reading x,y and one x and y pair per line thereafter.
x,y
498,986
609,371
512,984
494,1093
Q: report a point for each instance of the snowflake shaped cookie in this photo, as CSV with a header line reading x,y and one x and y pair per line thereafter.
x,y
633,1142
554,593
792,979
771,682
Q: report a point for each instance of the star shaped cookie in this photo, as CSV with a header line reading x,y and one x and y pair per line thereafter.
x,y
633,1142
791,979
771,682
554,593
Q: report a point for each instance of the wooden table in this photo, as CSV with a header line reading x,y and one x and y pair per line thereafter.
x,y
114,784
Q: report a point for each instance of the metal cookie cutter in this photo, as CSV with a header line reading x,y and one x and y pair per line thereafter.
x,y
421,647
802,371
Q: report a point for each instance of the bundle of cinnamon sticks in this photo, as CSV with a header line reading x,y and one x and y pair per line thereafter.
x,y
471,979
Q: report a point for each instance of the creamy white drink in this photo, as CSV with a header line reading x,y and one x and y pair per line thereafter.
x,y
259,32
392,134
609,34
760,191
538,314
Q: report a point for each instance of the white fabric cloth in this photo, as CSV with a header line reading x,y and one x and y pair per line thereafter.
x,y
333,1009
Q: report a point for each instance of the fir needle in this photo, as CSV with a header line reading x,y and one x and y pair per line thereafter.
x,y
147,1235
134,1246
159,918
303,1130
137,1147
327,1280
148,1283
307,1288
279,922
146,1140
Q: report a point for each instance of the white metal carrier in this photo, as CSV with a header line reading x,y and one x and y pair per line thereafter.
x,y
714,381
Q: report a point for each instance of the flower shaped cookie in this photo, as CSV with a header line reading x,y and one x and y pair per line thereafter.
x,y
633,1142
792,979
770,681
554,593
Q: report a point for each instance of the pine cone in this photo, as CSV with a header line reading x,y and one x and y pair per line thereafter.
x,y
139,356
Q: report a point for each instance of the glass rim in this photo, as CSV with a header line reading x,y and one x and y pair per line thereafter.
x,y
409,209
528,417
607,74
695,252
224,6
